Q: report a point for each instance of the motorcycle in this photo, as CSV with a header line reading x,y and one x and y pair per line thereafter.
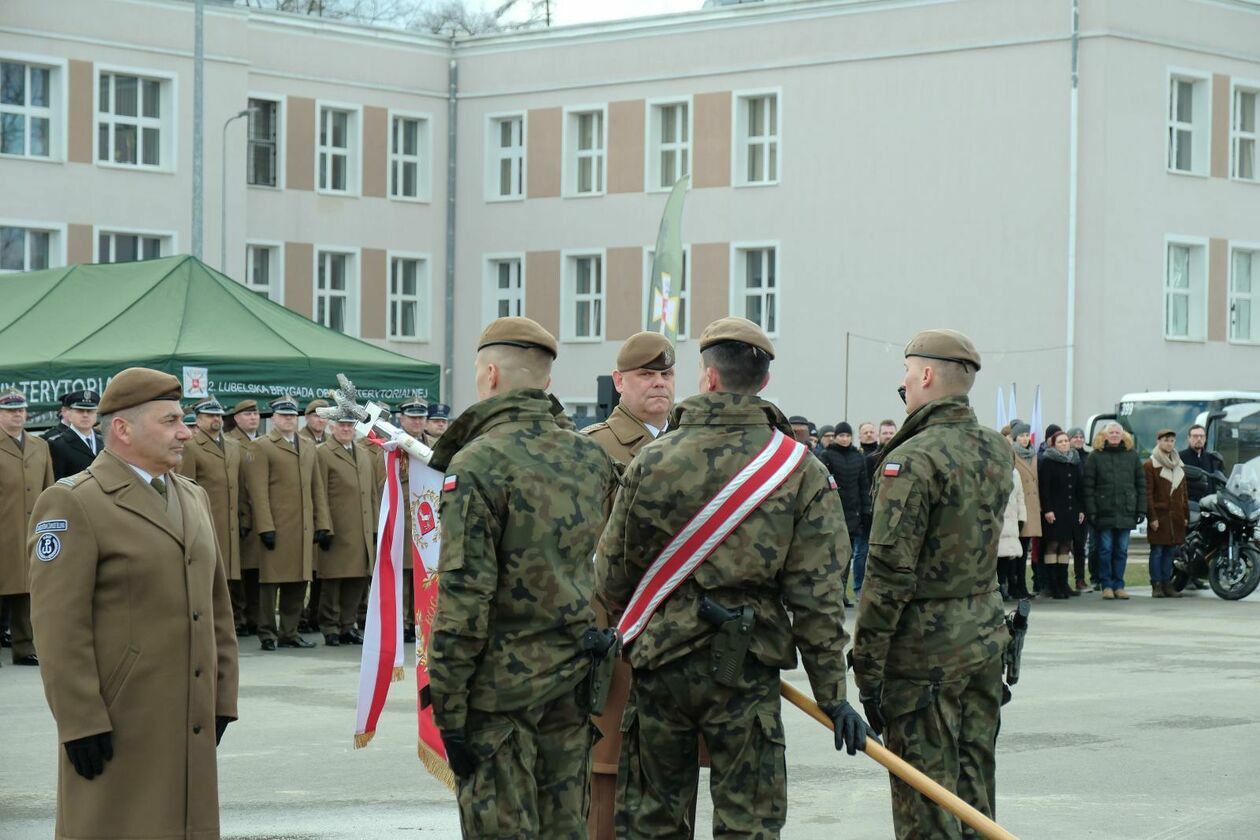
x,y
1221,540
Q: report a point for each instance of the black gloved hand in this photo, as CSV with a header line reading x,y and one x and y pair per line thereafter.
x,y
88,755
874,717
458,754
324,539
851,730
245,531
268,539
220,724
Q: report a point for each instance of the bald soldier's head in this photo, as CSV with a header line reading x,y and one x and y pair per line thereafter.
x,y
512,353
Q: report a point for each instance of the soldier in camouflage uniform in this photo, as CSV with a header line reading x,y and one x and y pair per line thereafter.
x,y
930,634
521,510
785,561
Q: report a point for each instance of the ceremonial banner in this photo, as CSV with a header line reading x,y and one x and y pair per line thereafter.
x,y
424,494
664,294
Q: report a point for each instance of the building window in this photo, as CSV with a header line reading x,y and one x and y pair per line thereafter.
x,y
757,139
1244,134
584,298
130,120
1244,282
669,144
262,271
506,171
262,157
681,289
585,140
25,249
1188,124
408,297
336,150
333,287
1185,289
408,158
117,247
757,287
26,115
505,292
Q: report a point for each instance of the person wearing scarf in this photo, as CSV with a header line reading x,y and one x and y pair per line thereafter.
x,y
1059,483
1167,511
1026,466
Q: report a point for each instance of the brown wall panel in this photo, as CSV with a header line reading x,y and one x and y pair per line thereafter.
x,y
375,151
1220,126
373,281
1218,289
81,112
79,244
625,146
711,146
623,275
542,289
300,140
710,284
543,142
299,273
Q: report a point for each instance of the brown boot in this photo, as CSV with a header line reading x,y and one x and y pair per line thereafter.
x,y
1157,590
1170,591
1121,595
1108,594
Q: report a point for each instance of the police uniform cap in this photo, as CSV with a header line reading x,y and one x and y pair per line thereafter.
x,y
85,399
136,386
190,419
439,411
208,406
645,351
284,405
945,346
12,399
314,404
734,328
517,331
414,407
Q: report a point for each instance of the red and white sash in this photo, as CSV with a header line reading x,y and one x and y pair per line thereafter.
x,y
707,529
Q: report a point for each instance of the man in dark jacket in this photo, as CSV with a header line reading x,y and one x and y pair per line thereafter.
x,y
1198,455
1115,501
847,466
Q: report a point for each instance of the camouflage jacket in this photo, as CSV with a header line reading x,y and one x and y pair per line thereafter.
x,y
515,581
788,555
930,603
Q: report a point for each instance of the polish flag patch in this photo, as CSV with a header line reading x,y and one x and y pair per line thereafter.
x,y
450,483
892,470
831,482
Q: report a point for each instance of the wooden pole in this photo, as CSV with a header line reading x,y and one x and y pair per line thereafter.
x,y
904,771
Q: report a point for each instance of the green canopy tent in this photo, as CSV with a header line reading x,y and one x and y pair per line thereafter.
x,y
70,328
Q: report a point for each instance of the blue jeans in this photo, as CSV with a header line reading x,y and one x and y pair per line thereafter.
x,y
861,544
1162,563
1113,555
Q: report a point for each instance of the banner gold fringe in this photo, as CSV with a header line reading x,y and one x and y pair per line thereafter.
x,y
397,676
362,739
437,768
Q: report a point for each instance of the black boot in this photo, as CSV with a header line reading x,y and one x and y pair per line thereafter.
x,y
1058,580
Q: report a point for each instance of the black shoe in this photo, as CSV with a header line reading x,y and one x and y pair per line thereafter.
x,y
268,644
243,631
305,626
29,659
409,636
352,637
332,640
298,642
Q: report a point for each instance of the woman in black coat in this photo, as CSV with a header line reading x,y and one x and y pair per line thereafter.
x,y
1062,510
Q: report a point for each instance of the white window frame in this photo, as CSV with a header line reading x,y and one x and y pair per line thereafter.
x,y
423,296
167,124
738,290
168,247
684,328
496,153
570,154
275,289
58,106
354,152
1197,310
1254,249
1237,86
653,147
56,242
739,137
569,298
1200,128
590,403
282,105
490,283
423,159
353,287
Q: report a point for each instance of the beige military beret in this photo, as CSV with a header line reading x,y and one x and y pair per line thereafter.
x,y
244,405
734,328
516,331
136,386
648,350
314,404
946,346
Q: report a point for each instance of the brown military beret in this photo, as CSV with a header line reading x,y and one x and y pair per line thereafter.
x,y
648,350
945,346
244,405
314,404
516,331
734,328
136,386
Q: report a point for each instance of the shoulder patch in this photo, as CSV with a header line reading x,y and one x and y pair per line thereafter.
x,y
47,547
51,525
450,483
892,469
831,482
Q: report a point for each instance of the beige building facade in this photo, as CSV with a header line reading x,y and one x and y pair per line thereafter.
x,y
860,170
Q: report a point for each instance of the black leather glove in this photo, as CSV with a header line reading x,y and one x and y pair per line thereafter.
x,y
324,538
268,539
220,724
88,755
245,531
458,754
874,717
851,730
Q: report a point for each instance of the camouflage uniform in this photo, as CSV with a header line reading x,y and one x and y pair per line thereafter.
x,y
930,629
789,554
515,579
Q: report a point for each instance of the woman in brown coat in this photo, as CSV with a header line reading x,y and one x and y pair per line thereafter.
x,y
1026,466
1167,511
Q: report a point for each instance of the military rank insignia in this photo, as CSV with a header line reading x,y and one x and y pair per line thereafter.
x,y
892,470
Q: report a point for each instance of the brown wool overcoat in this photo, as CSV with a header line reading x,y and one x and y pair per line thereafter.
x,y
287,497
220,472
251,549
1168,507
24,473
353,503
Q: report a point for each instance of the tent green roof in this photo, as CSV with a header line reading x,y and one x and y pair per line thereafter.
x,y
71,328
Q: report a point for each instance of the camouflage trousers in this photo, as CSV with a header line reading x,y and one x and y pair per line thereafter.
x,y
659,771
948,729
533,777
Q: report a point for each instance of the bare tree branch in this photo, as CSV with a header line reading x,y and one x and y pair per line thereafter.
x,y
450,18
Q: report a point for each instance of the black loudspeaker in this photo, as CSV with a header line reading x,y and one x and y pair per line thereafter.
x,y
606,396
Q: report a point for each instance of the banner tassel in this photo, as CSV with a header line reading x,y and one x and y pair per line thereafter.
x,y
439,769
362,739
397,675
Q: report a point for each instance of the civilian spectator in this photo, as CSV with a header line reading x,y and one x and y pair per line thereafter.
x,y
1010,549
826,436
1059,486
866,438
1115,501
1198,455
1167,511
847,466
1026,466
1084,546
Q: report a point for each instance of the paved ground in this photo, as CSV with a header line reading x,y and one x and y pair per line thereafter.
x,y
1133,720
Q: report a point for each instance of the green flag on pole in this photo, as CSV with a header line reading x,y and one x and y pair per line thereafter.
x,y
667,266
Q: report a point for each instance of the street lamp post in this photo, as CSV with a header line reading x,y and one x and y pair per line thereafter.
x,y
223,191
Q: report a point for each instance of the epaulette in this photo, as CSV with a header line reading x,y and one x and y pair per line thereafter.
x,y
595,427
74,480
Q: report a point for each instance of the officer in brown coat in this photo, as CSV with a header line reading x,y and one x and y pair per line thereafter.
x,y
290,510
25,470
345,565
241,424
216,462
131,609
313,429
413,418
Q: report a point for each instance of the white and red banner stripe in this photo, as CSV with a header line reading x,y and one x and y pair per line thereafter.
x,y
738,498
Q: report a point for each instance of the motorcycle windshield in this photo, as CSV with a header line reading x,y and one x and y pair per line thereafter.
x,y
1244,482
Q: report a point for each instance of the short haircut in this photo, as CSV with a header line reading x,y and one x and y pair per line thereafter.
x,y
1194,427
519,367
741,368
883,423
864,424
128,414
954,376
